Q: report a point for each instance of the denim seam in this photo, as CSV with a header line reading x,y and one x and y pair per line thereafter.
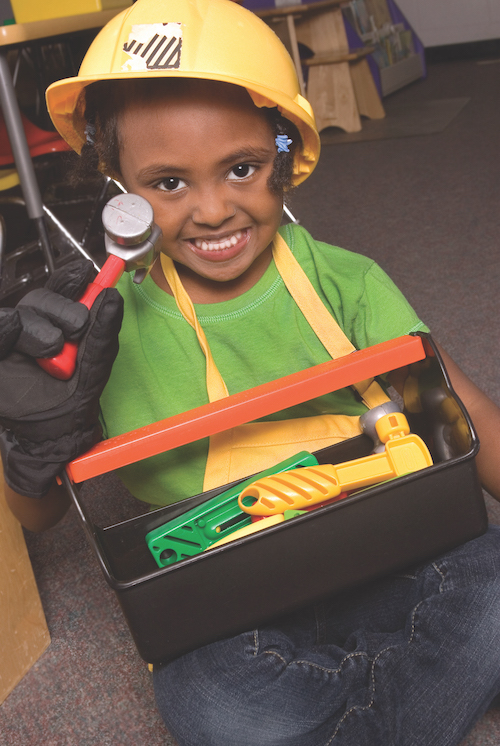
x,y
442,575
256,641
333,670
372,674
315,665
277,655
359,655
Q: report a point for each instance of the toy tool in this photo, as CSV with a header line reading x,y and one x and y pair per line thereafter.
x,y
197,529
294,490
132,241
294,485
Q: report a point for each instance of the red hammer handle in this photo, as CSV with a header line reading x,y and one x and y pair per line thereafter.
x,y
62,365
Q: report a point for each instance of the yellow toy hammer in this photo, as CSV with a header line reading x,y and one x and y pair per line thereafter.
x,y
300,488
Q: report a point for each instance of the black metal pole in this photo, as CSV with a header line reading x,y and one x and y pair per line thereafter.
x,y
22,158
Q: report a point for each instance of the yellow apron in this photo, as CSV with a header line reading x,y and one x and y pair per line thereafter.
x,y
255,446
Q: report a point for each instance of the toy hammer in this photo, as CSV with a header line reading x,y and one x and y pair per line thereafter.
x,y
403,453
132,241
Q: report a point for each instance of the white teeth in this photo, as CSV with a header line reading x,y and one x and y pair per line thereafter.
x,y
205,245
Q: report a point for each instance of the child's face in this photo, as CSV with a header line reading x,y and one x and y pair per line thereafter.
x,y
203,162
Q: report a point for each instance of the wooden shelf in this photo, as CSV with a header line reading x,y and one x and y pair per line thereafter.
x,y
328,58
396,76
392,75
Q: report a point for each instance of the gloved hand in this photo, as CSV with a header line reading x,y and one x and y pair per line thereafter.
x,y
48,422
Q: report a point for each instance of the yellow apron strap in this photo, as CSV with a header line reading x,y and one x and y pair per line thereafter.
x,y
215,383
300,288
372,393
219,445
323,324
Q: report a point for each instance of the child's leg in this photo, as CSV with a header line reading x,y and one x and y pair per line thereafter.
x,y
412,660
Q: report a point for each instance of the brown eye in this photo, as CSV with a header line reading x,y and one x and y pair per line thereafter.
x,y
171,184
241,171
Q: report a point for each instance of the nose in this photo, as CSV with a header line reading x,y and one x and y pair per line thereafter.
x,y
212,207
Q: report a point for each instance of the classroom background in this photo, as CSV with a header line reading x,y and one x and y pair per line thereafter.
x,y
415,188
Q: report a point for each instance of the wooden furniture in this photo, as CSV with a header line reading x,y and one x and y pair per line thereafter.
x,y
339,87
23,630
399,54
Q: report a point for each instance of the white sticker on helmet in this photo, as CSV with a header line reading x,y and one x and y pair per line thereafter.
x,y
153,46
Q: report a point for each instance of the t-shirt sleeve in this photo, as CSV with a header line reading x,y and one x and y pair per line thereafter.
x,y
360,295
383,311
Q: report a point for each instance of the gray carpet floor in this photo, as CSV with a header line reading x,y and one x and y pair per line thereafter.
x,y
401,120
425,206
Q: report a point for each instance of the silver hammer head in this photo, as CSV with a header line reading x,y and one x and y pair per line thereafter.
x,y
131,233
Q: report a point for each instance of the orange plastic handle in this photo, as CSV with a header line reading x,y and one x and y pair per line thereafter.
x,y
245,406
62,365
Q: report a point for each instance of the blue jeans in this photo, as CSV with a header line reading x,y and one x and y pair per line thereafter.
x,y
411,660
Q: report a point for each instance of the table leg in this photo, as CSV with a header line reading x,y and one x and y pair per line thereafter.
x,y
22,158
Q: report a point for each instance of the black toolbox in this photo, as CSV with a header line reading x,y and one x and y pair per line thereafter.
x,y
377,531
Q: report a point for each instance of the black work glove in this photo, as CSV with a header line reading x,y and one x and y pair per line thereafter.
x,y
48,422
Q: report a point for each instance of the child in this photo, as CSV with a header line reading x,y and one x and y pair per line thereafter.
x,y
173,101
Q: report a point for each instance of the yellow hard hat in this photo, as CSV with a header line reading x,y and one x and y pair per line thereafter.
x,y
206,39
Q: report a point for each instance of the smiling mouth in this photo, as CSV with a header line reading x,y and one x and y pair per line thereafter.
x,y
220,244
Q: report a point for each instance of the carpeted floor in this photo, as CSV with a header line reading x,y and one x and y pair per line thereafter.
x,y
401,120
426,208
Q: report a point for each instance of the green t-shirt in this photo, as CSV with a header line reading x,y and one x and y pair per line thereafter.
x,y
255,338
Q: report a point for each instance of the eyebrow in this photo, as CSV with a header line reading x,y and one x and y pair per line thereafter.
x,y
244,154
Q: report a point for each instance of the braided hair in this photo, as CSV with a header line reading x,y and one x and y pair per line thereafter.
x,y
104,101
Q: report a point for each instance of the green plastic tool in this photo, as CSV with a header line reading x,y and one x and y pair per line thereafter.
x,y
199,528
